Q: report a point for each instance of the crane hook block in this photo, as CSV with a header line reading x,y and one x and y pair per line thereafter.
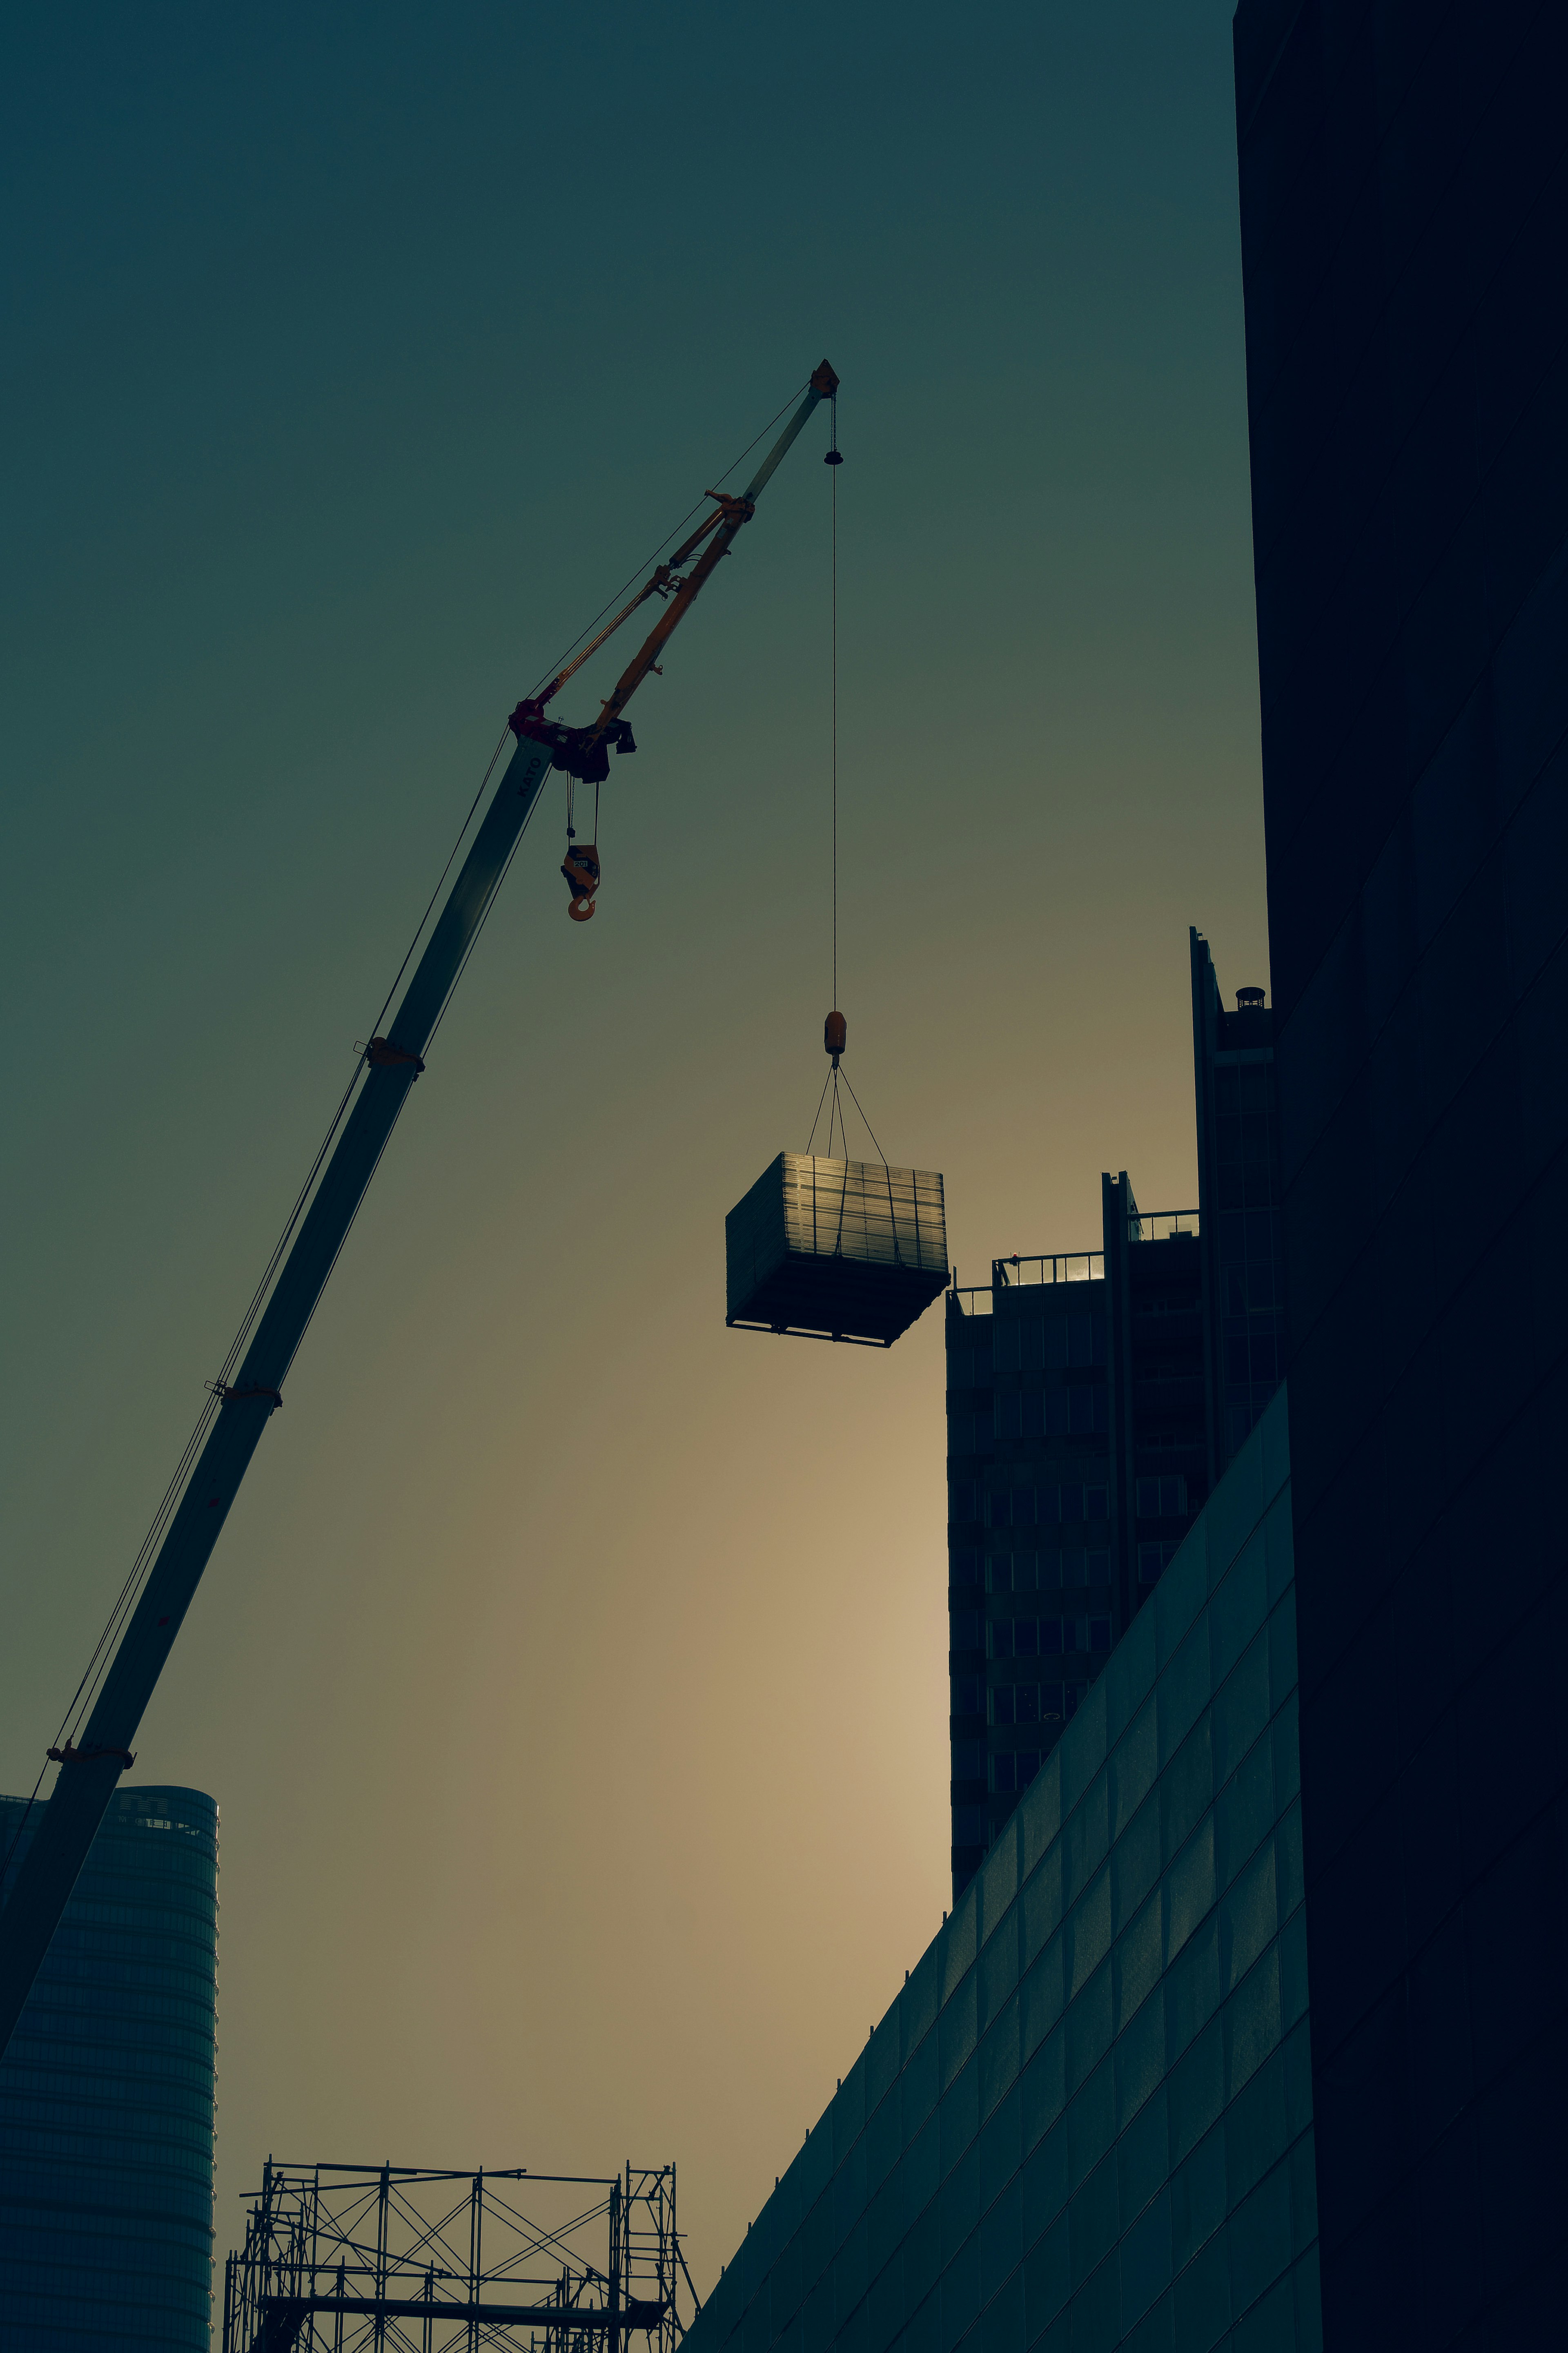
x,y
835,1036
580,872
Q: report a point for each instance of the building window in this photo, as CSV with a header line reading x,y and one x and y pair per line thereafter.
x,y
1099,1633
1162,1499
1001,1632
965,1630
1028,1703
968,1760
1001,1703
962,1501
1075,1340
1003,1777
1152,1559
968,1825
965,1569
966,1698
1028,1764
1098,1564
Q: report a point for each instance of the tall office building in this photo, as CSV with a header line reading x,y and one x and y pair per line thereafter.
x,y
107,2094
1239,1203
1404,245
1077,1462
1033,1607
1092,1401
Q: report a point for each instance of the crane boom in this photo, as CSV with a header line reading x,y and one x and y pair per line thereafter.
x,y
90,1771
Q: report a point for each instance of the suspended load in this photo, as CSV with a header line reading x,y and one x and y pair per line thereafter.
x,y
836,1249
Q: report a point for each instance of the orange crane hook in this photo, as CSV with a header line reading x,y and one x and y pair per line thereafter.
x,y
581,873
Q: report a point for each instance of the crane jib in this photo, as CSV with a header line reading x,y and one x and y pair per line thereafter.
x,y
80,1797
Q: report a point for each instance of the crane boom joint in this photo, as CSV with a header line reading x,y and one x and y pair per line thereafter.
x,y
580,752
227,1396
382,1054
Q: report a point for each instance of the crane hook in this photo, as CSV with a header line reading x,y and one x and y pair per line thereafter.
x,y
580,872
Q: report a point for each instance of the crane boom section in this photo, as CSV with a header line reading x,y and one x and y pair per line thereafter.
x,y
86,1782
734,513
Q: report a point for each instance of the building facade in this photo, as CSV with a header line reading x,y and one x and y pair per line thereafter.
x,y
1092,1401
1032,1603
1239,1192
108,2090
1404,180
1086,2120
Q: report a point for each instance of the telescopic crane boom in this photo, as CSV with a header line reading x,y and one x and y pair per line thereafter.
x,y
91,1771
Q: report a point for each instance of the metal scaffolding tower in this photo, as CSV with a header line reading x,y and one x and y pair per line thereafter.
x,y
341,2257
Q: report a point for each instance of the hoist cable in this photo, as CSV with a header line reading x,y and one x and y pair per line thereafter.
x,y
821,1099
833,472
869,1130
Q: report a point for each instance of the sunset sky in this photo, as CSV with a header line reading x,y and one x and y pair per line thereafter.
x,y
571,1672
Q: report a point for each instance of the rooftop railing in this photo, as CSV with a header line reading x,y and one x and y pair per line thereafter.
x,y
1069,1266
1161,1225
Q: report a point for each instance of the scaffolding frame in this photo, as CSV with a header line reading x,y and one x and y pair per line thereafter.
x,y
355,2258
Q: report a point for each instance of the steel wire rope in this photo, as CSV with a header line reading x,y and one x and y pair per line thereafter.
x,y
98,1665
821,1099
130,1592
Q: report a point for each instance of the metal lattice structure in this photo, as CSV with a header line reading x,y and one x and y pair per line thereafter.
x,y
343,2257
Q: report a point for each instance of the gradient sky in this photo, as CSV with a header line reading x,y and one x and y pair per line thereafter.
x,y
571,1672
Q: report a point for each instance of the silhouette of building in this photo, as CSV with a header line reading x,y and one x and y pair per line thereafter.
x,y
1239,1203
1405,237
1092,1400
107,2093
1085,2121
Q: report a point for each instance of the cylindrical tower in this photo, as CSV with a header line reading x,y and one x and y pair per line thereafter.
x,y
107,2093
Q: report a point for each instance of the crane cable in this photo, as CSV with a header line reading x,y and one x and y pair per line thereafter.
x,y
836,1108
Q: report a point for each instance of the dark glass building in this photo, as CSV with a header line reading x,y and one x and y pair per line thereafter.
x,y
1405,235
1092,1401
1078,1459
1085,2119
1034,1607
1238,1202
107,2094
1161,1448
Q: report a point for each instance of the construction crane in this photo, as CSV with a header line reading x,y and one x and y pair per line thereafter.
x,y
388,1066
